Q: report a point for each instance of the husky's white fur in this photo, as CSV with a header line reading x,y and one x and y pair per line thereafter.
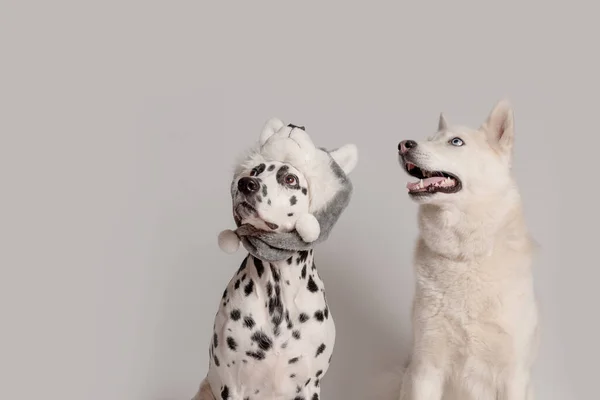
x,y
475,319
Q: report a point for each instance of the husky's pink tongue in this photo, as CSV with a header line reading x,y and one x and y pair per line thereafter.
x,y
415,186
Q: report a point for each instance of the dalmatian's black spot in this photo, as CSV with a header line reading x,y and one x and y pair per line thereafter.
x,y
269,289
271,167
259,198
315,396
264,342
304,191
319,373
276,320
257,355
290,214
216,360
307,382
215,340
235,314
243,265
249,288
296,334
243,277
281,173
287,282
317,382
231,343
293,200
249,322
237,284
299,397
264,190
276,275
224,294
326,312
260,268
289,260
303,317
314,267
259,169
303,272
319,316
312,286
269,201
320,349
225,393
284,345
292,376
290,325
329,361
275,305
302,256
298,390
293,360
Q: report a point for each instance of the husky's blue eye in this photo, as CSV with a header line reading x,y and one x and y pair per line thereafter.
x,y
456,142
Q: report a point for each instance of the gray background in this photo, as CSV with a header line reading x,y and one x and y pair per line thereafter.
x,y
120,123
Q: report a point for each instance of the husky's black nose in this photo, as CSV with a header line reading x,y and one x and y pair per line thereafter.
x,y
248,185
406,145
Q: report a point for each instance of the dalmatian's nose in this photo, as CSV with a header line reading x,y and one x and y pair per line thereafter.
x,y
248,185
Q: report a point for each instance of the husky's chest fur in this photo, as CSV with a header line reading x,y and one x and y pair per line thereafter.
x,y
474,302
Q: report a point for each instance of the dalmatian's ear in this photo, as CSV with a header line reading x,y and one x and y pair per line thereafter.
x,y
271,126
346,157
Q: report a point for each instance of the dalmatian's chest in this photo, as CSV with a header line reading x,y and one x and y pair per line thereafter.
x,y
273,334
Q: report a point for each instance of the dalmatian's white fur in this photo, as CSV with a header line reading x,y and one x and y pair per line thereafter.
x,y
273,333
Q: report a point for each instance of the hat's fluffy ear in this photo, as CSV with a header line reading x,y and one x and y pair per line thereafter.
x,y
271,126
346,157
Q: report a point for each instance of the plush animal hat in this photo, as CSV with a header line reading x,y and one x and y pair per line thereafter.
x,y
329,189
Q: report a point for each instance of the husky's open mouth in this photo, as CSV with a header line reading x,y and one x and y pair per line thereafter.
x,y
431,181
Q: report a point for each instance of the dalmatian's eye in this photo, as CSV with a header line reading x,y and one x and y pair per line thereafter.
x,y
291,180
253,172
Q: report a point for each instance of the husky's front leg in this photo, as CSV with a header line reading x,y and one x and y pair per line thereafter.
x,y
422,381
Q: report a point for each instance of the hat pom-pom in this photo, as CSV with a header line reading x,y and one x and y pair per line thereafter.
x,y
308,228
229,242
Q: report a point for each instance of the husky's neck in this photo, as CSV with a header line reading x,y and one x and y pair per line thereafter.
x,y
472,230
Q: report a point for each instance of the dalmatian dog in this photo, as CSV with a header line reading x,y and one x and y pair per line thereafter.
x,y
274,334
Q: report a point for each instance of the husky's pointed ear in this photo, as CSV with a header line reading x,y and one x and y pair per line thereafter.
x,y
346,157
442,123
499,126
271,126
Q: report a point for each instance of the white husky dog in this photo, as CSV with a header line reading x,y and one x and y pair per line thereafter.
x,y
475,319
